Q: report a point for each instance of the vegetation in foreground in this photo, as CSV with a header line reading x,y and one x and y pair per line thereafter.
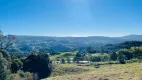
x,y
132,71
67,69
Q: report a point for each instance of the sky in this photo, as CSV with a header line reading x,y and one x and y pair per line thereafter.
x,y
71,17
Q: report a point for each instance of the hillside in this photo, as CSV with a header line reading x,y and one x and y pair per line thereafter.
x,y
65,44
133,37
126,44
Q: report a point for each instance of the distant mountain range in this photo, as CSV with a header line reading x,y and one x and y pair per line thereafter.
x,y
28,43
102,39
132,37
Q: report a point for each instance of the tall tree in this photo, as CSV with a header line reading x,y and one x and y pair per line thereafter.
x,y
121,58
3,67
5,59
6,40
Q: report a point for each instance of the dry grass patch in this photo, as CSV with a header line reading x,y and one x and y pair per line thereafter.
x,y
131,71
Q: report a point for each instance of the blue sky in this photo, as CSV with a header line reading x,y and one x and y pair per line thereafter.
x,y
71,17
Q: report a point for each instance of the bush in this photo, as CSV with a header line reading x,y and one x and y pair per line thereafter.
x,y
122,61
21,76
63,61
39,64
16,65
4,68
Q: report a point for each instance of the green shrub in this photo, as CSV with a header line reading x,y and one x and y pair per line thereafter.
x,y
39,63
22,74
16,65
4,68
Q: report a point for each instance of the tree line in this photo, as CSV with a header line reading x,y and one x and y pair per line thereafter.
x,y
120,55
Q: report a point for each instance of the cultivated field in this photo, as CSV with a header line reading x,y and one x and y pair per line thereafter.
x,y
131,71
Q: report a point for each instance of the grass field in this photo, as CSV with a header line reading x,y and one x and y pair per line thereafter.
x,y
131,71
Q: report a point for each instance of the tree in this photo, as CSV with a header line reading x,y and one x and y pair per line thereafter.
x,y
81,55
96,59
16,65
113,56
104,57
121,58
63,61
68,60
6,55
3,67
39,65
137,52
6,40
5,60
52,51
126,52
90,49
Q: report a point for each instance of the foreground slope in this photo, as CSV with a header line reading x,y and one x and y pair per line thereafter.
x,y
131,71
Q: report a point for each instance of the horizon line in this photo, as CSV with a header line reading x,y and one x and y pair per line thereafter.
x,y
79,36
